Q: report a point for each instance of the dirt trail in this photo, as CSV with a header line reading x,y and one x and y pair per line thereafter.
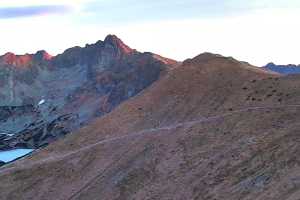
x,y
143,133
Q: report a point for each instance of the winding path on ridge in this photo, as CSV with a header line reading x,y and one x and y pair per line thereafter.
x,y
7,168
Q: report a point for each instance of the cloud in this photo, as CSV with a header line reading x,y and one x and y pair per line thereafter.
x,y
29,11
135,11
130,11
140,10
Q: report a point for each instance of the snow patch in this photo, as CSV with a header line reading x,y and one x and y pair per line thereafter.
x,y
8,134
41,102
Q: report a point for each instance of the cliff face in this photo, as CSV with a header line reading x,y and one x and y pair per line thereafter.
x,y
44,97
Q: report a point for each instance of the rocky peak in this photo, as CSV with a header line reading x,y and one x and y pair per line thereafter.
x,y
42,55
71,56
16,60
118,44
24,60
112,48
8,57
85,83
271,64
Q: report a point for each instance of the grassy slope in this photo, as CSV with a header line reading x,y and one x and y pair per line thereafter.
x,y
240,154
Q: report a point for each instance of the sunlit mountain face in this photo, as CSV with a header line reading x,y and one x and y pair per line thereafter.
x,y
83,118
211,127
13,60
45,97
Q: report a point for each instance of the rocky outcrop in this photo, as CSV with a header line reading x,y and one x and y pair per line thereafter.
x,y
39,133
74,87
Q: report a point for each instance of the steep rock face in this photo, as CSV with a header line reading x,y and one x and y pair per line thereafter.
x,y
80,83
283,69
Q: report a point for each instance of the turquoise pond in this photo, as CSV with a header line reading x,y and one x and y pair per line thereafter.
x,y
8,156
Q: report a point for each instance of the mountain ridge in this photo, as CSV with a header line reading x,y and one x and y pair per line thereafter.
x,y
196,133
116,43
75,87
283,69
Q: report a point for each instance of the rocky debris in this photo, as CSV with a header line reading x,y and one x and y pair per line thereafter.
x,y
42,55
11,60
118,45
39,134
2,163
9,111
13,119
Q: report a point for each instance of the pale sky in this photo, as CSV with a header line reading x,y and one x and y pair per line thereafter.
x,y
256,31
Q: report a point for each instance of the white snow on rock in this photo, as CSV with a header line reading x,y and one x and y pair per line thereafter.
x,y
41,102
8,134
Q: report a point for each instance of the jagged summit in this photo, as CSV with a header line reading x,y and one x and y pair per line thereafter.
x,y
119,48
85,82
112,48
16,60
24,60
117,43
111,41
111,37
42,55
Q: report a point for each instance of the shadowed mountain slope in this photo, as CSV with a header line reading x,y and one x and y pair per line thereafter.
x,y
44,97
213,128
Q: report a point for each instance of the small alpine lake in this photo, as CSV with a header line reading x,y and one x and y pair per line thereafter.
x,y
8,156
